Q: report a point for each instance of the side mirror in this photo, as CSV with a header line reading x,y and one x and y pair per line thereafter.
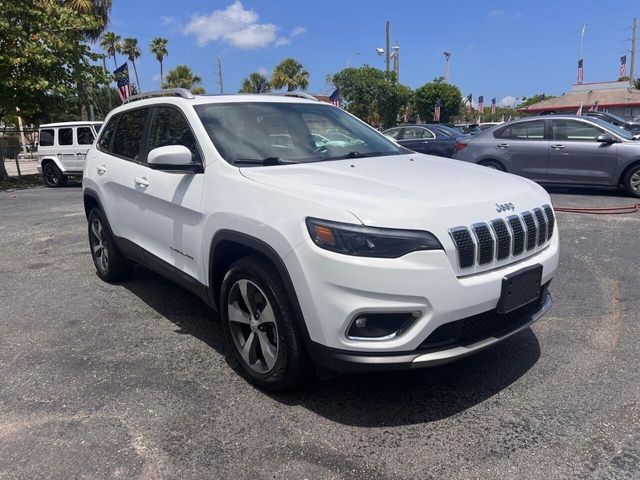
x,y
172,157
605,138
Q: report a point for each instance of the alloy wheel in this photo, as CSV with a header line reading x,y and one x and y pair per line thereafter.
x,y
99,245
253,326
634,181
51,174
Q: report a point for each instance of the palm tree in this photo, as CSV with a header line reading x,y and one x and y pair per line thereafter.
x,y
183,77
131,50
97,8
158,47
290,73
111,44
255,83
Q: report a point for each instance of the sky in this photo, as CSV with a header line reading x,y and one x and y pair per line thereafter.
x,y
502,49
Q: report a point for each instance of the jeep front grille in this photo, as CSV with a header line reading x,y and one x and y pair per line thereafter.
x,y
501,239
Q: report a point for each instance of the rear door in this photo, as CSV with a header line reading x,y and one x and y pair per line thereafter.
x,y
576,157
417,139
66,150
168,214
524,149
84,139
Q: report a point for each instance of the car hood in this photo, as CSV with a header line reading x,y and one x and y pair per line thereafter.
x,y
411,191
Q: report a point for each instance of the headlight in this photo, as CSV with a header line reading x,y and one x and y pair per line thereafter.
x,y
363,241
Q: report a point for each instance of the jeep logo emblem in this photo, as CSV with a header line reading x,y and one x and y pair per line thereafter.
x,y
503,207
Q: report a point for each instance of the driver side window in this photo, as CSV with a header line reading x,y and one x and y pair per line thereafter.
x,y
169,127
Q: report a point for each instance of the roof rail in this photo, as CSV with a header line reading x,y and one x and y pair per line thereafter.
x,y
176,92
298,94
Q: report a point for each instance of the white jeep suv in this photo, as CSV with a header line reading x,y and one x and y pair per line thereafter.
x,y
348,254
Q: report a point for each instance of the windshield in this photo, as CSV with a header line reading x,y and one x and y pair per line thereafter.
x,y
270,133
621,132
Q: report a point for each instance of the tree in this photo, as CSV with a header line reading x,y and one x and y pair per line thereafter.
x,y
535,99
131,50
183,77
40,66
99,9
291,74
158,47
111,44
392,99
255,83
427,95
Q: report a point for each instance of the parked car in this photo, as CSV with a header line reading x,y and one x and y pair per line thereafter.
x,y
487,125
632,126
563,149
352,257
429,139
62,148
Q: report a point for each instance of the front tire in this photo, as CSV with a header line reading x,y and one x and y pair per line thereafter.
x,y
53,176
260,325
110,264
631,181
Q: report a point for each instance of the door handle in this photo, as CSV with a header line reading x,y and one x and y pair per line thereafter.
x,y
141,181
101,169
80,154
557,147
503,145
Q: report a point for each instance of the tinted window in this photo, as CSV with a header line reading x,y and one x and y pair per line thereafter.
x,y
106,133
46,138
393,133
85,136
65,136
574,131
523,131
169,127
128,136
412,133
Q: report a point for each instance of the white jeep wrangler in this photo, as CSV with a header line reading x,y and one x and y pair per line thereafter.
x,y
354,254
62,148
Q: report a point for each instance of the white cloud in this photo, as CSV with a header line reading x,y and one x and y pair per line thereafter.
x,y
235,25
497,13
282,41
507,101
298,31
263,71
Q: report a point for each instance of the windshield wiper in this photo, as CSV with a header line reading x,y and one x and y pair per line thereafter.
x,y
356,154
257,161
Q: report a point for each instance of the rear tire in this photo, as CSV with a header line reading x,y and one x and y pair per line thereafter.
x,y
261,327
52,175
110,264
631,181
495,165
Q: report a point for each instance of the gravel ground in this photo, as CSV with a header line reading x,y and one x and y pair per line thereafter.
x,y
132,380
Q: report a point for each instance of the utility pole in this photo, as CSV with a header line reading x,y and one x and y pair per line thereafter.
x,y
386,50
634,39
220,81
447,56
396,61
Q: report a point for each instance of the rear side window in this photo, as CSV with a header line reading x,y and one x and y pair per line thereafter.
x,y
85,136
169,127
46,137
523,131
65,136
128,136
106,134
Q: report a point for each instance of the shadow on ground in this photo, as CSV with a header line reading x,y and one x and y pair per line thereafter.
x,y
366,400
588,191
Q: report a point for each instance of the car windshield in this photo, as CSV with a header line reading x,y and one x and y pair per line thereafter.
x,y
621,132
273,133
616,118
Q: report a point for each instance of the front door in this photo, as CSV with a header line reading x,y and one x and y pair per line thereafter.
x,y
576,157
524,150
168,212
84,139
66,151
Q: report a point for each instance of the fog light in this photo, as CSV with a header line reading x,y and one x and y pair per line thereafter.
x,y
380,326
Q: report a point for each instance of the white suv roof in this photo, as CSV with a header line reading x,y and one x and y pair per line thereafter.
x,y
69,124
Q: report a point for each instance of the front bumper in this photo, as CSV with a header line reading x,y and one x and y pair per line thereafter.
x,y
342,361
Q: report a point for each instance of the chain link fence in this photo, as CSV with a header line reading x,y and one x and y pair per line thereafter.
x,y
19,160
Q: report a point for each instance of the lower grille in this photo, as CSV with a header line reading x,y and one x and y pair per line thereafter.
x,y
479,327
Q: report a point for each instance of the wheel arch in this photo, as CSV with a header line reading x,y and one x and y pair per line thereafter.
x,y
486,160
633,164
227,246
54,159
91,200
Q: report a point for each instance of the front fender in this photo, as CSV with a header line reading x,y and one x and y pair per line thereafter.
x,y
55,160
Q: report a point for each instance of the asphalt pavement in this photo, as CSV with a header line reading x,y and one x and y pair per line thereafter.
x,y
132,380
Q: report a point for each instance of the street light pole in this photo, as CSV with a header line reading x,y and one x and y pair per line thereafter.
x,y
386,51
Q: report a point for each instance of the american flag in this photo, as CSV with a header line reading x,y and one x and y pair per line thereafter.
x,y
580,71
594,106
437,110
481,104
469,100
493,106
623,66
579,112
335,98
121,75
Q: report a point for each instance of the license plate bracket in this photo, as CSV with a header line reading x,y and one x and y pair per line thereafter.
x,y
520,288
